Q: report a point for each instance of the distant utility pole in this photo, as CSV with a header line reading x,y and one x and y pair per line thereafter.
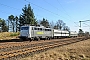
x,y
83,21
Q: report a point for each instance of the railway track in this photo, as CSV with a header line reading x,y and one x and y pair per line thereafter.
x,y
15,52
20,45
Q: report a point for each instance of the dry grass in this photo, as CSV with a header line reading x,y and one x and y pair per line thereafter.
x,y
77,51
8,35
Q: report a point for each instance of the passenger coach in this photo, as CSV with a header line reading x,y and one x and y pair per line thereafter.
x,y
60,33
73,34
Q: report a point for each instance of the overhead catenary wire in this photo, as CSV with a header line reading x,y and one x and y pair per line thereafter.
x,y
31,3
76,24
15,9
51,11
9,6
4,12
51,4
86,24
45,9
63,9
59,9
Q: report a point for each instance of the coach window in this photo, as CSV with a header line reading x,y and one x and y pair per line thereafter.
x,y
49,29
40,29
43,29
32,28
61,32
35,28
46,30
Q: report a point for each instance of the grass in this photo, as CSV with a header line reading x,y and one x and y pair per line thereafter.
x,y
76,51
14,34
8,35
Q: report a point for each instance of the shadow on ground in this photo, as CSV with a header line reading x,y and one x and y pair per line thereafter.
x,y
12,40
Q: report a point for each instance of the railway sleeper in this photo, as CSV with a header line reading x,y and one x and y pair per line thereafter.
x,y
32,50
19,46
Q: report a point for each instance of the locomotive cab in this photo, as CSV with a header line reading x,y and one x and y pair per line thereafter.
x,y
25,32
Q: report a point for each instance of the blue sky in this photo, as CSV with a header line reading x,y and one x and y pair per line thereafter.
x,y
69,11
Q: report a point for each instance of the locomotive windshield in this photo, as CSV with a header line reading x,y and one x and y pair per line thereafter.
x,y
24,28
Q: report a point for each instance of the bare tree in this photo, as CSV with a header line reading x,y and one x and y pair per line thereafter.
x,y
60,24
66,28
52,24
55,27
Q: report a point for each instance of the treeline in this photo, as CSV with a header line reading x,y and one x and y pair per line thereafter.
x,y
82,33
3,26
27,17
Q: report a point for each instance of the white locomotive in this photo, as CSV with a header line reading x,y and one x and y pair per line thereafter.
x,y
39,32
